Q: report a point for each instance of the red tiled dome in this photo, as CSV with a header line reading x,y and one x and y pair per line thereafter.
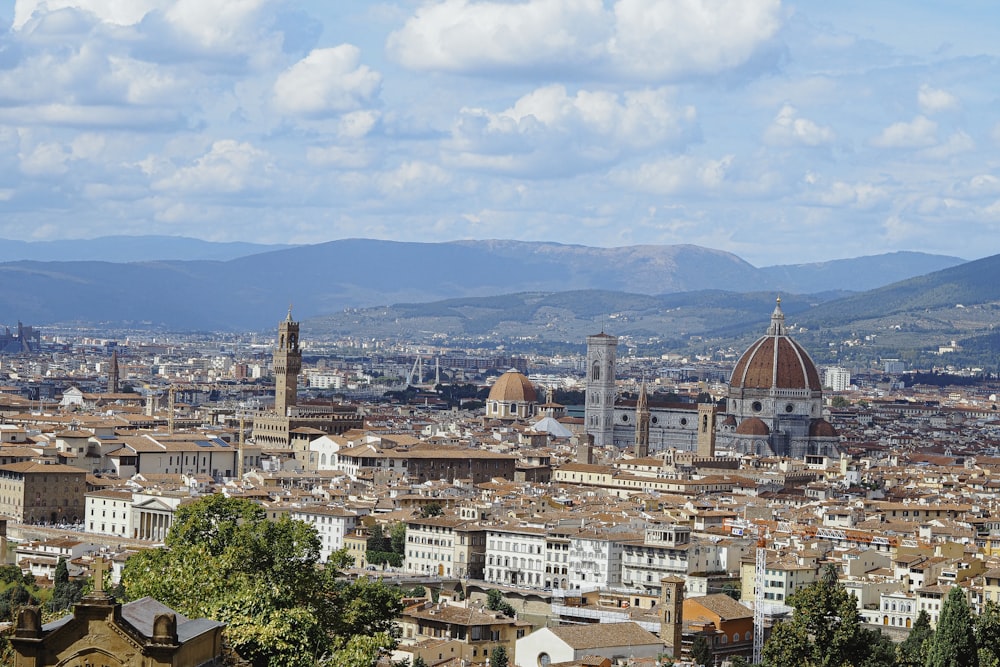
x,y
821,428
753,426
777,361
513,386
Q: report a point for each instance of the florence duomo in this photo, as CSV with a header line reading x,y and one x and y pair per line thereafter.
x,y
774,403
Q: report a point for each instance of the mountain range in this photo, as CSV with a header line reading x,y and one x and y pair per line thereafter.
x,y
218,287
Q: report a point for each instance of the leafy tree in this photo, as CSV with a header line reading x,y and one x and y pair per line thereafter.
x,y
496,602
839,402
360,651
732,590
397,538
987,627
431,509
738,661
65,592
912,651
498,657
700,651
226,561
825,631
954,641
418,662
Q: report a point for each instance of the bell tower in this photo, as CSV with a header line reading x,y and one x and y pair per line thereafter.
x,y
600,410
642,424
706,429
287,365
672,613
113,373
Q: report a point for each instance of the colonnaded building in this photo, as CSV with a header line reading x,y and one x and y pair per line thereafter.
x,y
773,407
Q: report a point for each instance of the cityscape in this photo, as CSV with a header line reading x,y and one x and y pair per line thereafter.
x,y
499,333
514,501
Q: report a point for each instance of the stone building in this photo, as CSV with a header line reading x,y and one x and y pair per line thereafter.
x,y
34,492
143,633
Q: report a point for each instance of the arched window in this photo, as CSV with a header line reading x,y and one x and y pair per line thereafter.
x,y
595,371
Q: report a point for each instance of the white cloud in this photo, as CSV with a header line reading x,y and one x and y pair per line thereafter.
x,y
412,179
342,157
550,129
326,81
647,39
919,132
934,100
465,35
956,144
45,159
855,195
229,167
115,12
656,38
789,129
681,174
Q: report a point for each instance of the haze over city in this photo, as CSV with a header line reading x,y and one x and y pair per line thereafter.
x,y
782,132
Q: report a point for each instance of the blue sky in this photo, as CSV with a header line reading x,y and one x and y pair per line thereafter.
x,y
780,131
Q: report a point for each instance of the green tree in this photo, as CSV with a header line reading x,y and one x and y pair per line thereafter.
x,y
825,631
65,592
432,509
397,538
226,561
912,651
418,662
987,627
954,640
496,602
498,657
700,651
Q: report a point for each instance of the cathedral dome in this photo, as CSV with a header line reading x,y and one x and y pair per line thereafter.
x,y
821,428
513,386
775,361
753,426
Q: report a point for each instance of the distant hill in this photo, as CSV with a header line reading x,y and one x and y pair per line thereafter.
x,y
128,249
541,318
858,274
970,284
253,291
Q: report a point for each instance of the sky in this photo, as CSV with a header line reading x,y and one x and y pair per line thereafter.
x,y
783,132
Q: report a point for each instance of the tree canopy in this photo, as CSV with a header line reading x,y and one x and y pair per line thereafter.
x,y
954,640
224,560
825,631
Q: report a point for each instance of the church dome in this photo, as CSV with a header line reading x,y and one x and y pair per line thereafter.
x,y
821,428
775,361
513,386
753,426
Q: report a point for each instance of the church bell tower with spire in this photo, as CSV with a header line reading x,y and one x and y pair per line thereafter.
x,y
287,365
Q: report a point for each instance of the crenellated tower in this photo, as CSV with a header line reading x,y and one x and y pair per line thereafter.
x,y
287,365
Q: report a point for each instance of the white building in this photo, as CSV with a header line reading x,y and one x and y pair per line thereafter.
x,y
332,524
108,512
616,641
515,555
595,560
837,378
